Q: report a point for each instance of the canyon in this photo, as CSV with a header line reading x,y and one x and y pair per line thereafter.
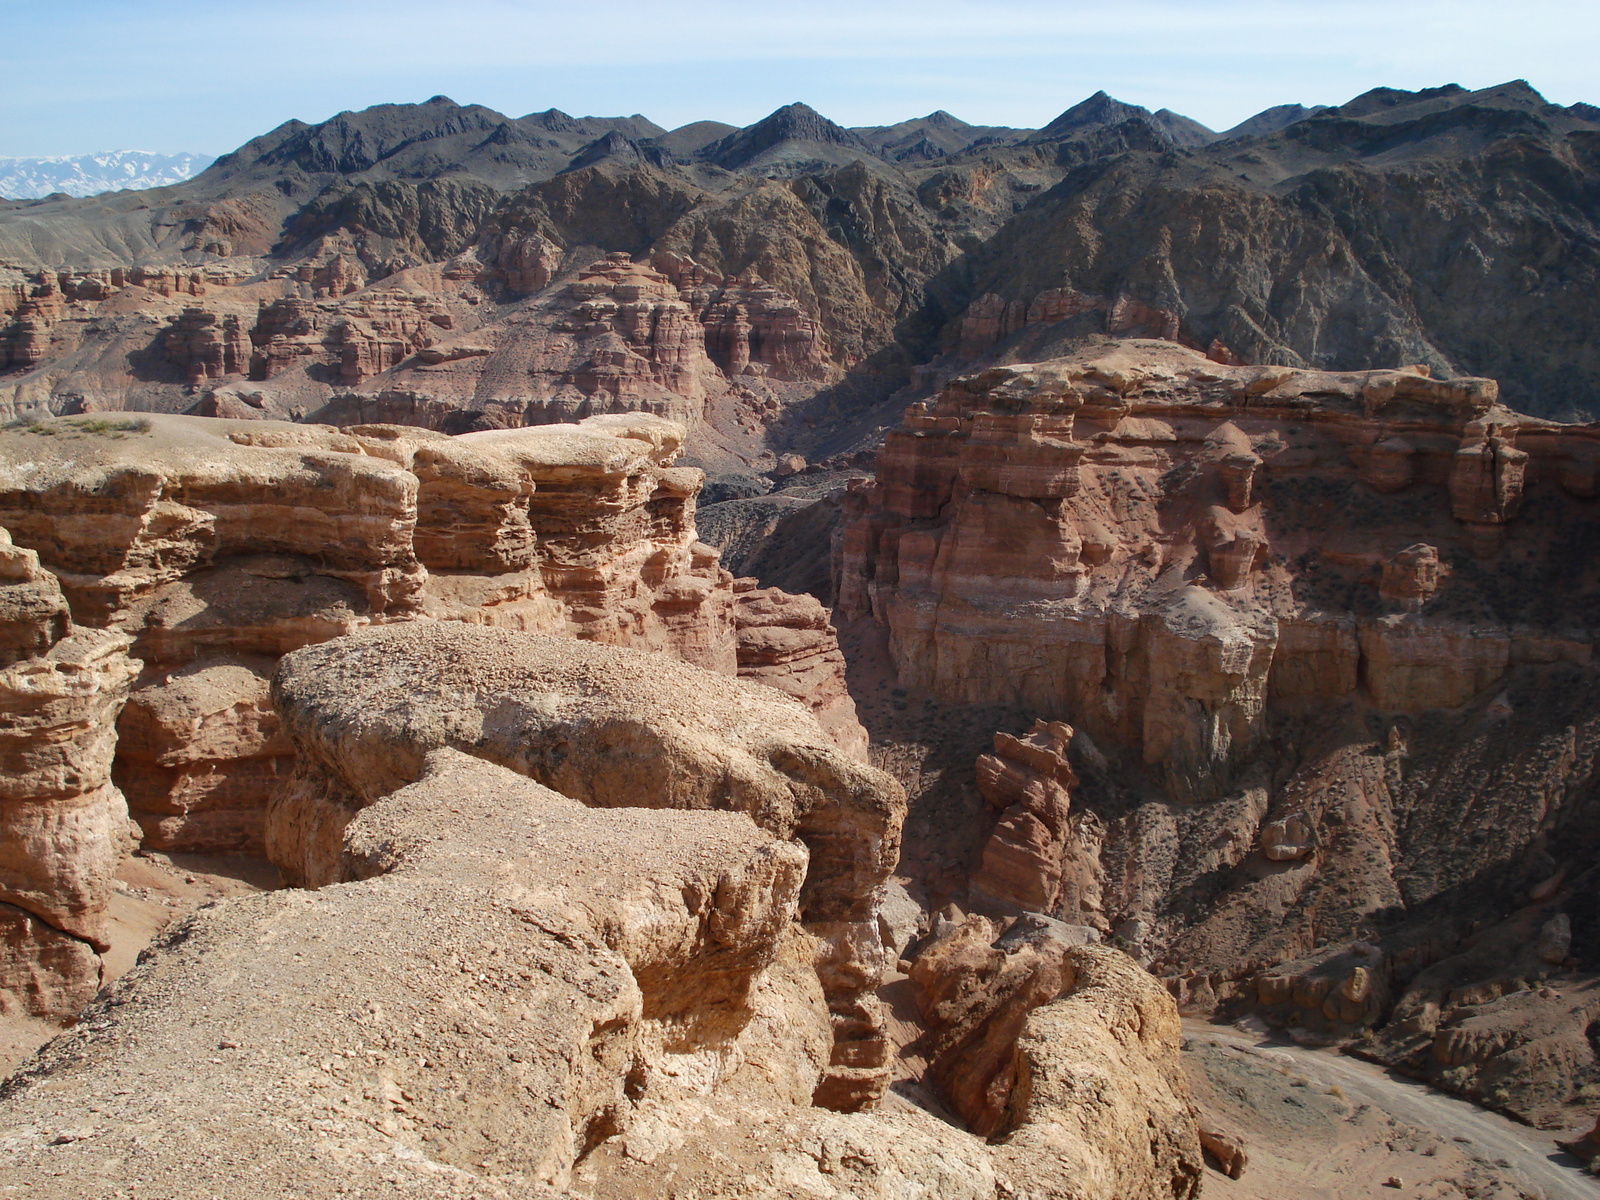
x,y
794,660
575,827
186,555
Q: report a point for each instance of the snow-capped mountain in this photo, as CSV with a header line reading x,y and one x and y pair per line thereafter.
x,y
87,174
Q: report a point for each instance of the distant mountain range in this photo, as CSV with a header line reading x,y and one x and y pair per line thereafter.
x,y
91,174
935,136
1453,229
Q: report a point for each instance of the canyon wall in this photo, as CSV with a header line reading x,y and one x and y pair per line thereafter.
x,y
1324,644
497,337
163,565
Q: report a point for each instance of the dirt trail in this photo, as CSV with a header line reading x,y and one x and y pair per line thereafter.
x,y
1530,1155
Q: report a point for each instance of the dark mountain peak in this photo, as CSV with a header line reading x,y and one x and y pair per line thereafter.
x,y
688,140
921,150
614,146
552,119
349,142
1585,112
802,123
1270,120
253,150
1096,112
1184,131
1381,98
441,100
939,119
1517,91
507,134
791,123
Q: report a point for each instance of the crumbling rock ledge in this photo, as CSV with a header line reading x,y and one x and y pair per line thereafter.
x,y
611,728
517,994
184,555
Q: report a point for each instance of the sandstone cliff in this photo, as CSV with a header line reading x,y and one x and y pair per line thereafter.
x,y
206,549
63,823
612,730
1318,637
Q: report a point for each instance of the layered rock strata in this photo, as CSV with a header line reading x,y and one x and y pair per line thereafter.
x,y
610,728
206,549
63,823
1029,780
421,347
1319,637
1092,537
787,642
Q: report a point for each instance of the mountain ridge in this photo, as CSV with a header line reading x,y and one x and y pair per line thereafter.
x,y
1441,227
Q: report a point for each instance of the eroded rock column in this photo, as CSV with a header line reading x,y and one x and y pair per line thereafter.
x,y
63,825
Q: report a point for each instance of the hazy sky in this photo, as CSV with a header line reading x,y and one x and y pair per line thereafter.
x,y
206,75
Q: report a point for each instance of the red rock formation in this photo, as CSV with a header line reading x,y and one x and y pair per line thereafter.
x,y
1008,1023
1082,491
219,546
361,337
63,824
750,326
611,729
527,264
786,642
990,319
27,341
1309,607
207,346
1030,781
199,755
1411,578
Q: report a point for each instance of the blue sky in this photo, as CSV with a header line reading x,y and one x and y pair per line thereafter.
x,y
206,75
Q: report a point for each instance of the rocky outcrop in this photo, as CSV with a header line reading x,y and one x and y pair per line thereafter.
x,y
786,642
1025,863
199,755
350,340
559,962
1038,1038
207,345
535,996
612,729
751,327
63,823
215,547
1329,667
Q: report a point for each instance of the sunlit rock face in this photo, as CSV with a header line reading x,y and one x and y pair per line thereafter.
x,y
162,566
